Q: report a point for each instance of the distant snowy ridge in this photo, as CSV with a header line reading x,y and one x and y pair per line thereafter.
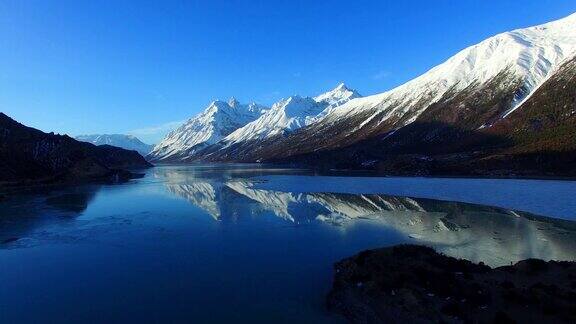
x,y
128,142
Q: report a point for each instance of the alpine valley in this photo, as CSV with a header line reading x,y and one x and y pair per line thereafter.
x,y
503,107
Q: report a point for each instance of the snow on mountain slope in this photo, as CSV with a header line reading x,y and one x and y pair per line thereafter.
x,y
218,120
338,96
290,114
128,142
285,115
530,54
335,98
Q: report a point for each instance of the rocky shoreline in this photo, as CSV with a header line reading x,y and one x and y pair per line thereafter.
x,y
417,285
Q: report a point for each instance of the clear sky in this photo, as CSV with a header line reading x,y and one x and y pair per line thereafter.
x,y
141,67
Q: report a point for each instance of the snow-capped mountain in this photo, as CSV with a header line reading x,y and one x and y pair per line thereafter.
x,y
519,61
218,120
284,116
445,110
128,142
465,115
290,114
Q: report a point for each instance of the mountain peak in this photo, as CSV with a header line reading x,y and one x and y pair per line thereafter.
x,y
286,115
341,87
217,105
233,102
293,101
337,96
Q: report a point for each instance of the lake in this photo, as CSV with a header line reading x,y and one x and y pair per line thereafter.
x,y
222,243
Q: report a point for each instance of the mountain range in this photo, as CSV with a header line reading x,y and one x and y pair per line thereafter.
x,y
505,106
229,123
128,142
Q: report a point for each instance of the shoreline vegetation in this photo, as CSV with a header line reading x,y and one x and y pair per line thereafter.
x,y
415,284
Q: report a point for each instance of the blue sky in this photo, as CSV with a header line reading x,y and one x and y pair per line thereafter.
x,y
140,67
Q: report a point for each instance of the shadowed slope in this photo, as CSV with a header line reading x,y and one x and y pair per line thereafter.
x,y
30,155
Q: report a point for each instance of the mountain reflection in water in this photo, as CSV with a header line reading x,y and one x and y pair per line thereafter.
x,y
493,235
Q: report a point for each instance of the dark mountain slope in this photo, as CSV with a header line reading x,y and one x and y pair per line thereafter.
x,y
29,155
546,122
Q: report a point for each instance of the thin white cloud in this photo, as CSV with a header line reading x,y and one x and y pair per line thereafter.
x,y
153,130
154,134
381,75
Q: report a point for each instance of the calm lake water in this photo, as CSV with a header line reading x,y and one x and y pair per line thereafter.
x,y
229,243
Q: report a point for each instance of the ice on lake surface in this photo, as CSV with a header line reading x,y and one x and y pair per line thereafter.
x,y
226,243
